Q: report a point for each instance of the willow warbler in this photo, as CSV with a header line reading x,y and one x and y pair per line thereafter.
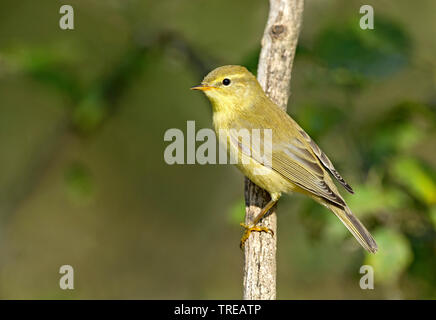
x,y
297,163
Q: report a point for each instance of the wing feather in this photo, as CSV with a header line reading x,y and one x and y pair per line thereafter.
x,y
293,161
297,170
324,159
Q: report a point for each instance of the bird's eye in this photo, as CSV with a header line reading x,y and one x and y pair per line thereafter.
x,y
226,81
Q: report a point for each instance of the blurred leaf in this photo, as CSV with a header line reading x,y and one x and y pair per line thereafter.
x,y
237,212
393,257
79,182
408,136
46,65
412,175
404,111
371,198
397,138
372,53
101,100
89,113
351,80
397,131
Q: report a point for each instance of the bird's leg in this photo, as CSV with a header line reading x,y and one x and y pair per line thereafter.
x,y
249,229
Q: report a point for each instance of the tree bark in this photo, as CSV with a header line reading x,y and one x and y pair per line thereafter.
x,y
274,74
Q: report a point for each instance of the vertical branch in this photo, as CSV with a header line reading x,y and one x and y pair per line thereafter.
x,y
274,74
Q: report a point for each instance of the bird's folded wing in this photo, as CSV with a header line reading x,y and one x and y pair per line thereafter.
x,y
292,160
323,158
300,167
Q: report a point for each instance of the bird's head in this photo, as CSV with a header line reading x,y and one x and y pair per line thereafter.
x,y
230,87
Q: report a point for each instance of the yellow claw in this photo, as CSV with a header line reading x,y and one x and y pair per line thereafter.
x,y
249,230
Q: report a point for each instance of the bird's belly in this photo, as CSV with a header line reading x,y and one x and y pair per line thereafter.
x,y
263,176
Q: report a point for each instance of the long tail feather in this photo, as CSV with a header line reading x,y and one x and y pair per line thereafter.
x,y
356,228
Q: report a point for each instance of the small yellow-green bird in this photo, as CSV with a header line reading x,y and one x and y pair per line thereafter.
x,y
297,163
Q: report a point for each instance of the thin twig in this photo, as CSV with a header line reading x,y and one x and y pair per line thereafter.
x,y
274,74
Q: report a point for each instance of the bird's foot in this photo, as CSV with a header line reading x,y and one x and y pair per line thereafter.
x,y
249,230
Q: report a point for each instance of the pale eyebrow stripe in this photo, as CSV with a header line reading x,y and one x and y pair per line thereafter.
x,y
232,77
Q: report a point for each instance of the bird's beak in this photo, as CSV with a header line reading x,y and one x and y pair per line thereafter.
x,y
202,87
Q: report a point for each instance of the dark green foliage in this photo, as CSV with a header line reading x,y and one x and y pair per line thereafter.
x,y
374,54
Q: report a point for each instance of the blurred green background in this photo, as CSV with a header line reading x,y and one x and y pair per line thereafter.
x,y
82,175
